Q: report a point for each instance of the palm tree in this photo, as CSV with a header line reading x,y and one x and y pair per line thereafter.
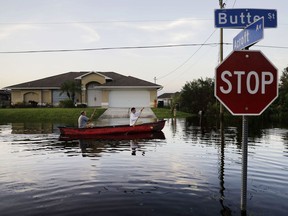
x,y
70,88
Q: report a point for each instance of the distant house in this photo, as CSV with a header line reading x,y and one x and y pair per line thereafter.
x,y
99,89
166,99
5,98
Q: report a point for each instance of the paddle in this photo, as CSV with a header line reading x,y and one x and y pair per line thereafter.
x,y
90,119
138,117
93,114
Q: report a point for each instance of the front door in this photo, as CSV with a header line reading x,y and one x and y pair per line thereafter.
x,y
94,97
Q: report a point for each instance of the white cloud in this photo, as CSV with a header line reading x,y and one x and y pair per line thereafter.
x,y
176,31
180,23
181,36
89,34
10,30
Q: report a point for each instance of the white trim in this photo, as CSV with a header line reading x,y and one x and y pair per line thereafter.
x,y
129,87
93,72
35,88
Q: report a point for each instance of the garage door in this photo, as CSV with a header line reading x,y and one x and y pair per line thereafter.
x,y
122,98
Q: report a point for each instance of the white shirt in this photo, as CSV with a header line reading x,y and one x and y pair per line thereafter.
x,y
134,117
82,121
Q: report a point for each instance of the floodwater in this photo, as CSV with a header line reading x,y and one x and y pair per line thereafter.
x,y
182,171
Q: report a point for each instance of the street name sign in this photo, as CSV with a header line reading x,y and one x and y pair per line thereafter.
x,y
240,18
250,35
246,82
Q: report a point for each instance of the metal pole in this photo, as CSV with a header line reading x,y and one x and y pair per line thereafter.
x,y
221,34
221,59
244,162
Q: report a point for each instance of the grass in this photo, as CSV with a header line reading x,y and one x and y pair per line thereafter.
x,y
67,115
166,113
45,114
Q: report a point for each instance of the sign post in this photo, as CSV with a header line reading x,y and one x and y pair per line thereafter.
x,y
246,83
242,84
244,162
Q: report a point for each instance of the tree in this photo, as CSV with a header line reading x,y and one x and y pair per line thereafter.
x,y
282,101
70,88
197,95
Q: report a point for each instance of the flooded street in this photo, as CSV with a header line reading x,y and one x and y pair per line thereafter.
x,y
183,171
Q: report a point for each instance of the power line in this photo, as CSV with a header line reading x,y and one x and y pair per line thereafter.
x,y
189,57
106,21
275,47
110,48
101,21
135,47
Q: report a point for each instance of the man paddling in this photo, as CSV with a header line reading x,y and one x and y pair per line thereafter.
x,y
84,121
134,116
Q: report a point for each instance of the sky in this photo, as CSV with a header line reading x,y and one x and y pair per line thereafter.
x,y
129,37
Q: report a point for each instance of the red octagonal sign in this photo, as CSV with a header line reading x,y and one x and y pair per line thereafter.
x,y
246,82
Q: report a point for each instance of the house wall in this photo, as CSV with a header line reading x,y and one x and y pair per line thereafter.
x,y
85,82
40,96
46,96
20,96
32,96
16,97
92,78
105,98
153,98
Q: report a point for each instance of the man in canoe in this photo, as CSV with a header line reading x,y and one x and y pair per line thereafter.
x,y
134,116
84,121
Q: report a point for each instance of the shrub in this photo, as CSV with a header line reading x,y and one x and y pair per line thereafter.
x,y
66,104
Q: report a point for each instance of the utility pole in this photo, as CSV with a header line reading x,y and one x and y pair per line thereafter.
x,y
221,59
221,34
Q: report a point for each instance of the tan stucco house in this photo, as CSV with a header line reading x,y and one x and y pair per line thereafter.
x,y
99,89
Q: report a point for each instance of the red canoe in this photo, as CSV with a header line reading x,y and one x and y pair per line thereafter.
x,y
117,129
118,136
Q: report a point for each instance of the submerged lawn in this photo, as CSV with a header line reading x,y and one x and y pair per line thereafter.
x,y
9,115
45,114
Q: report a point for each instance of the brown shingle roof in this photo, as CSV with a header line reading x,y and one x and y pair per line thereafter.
x,y
120,80
48,82
54,82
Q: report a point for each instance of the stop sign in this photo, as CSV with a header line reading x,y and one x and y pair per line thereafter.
x,y
246,82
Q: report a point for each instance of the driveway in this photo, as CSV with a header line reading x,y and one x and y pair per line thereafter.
x,y
118,116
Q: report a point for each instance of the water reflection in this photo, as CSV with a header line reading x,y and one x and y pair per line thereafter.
x,y
173,122
93,147
225,211
135,146
210,134
191,170
32,128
